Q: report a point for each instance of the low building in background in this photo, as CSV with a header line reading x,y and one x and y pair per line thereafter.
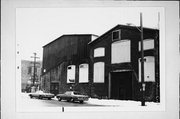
x,y
27,75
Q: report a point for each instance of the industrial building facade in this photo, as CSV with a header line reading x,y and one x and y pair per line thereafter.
x,y
107,67
65,64
116,67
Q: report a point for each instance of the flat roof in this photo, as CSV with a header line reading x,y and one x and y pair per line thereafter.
x,y
64,35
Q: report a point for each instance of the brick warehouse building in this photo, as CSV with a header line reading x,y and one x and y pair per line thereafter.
x,y
107,67
115,64
65,64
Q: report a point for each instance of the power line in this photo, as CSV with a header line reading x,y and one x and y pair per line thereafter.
x,y
34,74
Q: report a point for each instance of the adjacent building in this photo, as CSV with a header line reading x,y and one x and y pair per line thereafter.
x,y
104,67
27,75
66,64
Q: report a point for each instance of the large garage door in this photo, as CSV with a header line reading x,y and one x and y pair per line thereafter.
x,y
121,85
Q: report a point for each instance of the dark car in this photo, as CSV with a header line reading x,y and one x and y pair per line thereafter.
x,y
41,95
72,96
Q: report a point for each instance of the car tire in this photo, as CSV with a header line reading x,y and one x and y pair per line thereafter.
x,y
31,96
59,99
40,97
73,100
81,101
49,98
68,100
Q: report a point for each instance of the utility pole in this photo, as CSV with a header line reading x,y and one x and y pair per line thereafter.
x,y
142,63
34,73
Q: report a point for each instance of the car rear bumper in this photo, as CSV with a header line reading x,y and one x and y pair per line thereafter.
x,y
83,99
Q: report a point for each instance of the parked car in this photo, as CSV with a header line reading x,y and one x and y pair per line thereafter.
x,y
41,95
72,96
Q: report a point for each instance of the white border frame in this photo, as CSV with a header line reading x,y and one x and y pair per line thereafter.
x,y
171,52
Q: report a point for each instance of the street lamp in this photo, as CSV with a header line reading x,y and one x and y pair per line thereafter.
x,y
142,61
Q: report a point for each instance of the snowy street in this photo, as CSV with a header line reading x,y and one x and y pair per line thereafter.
x,y
27,104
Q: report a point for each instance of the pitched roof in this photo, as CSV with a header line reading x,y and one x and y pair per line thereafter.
x,y
118,26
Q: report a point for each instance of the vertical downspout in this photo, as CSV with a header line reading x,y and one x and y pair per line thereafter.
x,y
109,86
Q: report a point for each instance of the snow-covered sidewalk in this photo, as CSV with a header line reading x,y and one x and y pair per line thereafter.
x,y
121,103
102,105
116,105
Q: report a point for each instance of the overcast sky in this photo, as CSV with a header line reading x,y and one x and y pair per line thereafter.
x,y
35,27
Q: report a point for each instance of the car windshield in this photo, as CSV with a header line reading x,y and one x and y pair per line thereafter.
x,y
39,92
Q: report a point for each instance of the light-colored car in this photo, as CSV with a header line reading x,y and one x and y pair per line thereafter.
x,y
72,96
41,95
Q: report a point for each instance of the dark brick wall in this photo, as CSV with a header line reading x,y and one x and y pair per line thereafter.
x,y
132,34
64,86
71,48
59,54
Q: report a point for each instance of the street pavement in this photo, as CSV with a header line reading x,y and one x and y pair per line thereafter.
x,y
27,103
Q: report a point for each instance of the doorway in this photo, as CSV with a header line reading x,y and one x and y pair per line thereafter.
x,y
121,85
54,88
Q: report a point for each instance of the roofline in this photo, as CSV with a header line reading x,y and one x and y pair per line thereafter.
x,y
123,26
102,35
24,60
68,35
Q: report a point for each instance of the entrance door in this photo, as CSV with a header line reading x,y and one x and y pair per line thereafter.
x,y
54,88
121,85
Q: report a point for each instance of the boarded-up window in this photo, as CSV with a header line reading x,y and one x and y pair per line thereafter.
x,y
120,51
149,69
83,73
99,72
99,52
147,44
71,74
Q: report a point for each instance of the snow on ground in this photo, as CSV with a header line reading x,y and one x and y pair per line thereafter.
x,y
25,104
117,105
104,105
122,103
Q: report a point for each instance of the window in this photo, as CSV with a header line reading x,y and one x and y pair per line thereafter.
x,y
121,51
116,35
149,69
83,73
71,74
29,70
148,44
99,52
99,72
